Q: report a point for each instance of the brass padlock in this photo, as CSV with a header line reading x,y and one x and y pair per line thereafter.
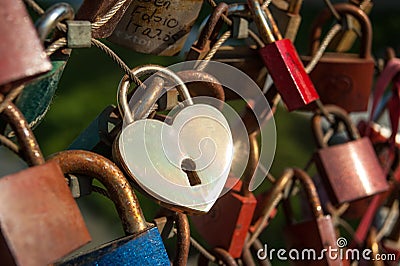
x,y
344,79
316,234
156,27
344,40
349,171
40,221
287,16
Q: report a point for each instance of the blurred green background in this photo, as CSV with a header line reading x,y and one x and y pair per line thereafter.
x,y
89,84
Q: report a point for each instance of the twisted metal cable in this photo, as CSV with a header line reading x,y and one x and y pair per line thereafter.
x,y
35,7
104,19
202,250
5,101
117,60
58,44
6,142
333,10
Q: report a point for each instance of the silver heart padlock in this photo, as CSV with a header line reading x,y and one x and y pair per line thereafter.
x,y
184,165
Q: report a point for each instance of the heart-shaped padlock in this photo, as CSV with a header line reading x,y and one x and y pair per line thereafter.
x,y
163,159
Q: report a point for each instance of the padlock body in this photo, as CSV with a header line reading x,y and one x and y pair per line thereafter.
x,y
344,80
144,248
288,74
40,220
22,55
350,171
288,23
314,235
226,224
156,27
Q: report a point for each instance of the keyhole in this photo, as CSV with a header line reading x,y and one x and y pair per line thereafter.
x,y
189,166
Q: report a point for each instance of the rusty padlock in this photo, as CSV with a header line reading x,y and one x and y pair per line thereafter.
x,y
209,33
156,27
40,221
316,234
344,79
282,61
349,171
227,223
104,15
22,56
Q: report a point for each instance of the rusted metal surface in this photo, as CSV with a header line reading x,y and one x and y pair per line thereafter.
x,y
22,56
209,33
157,27
202,84
340,78
93,10
183,240
29,147
94,165
221,255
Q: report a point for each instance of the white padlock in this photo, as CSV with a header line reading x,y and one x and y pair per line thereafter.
x,y
156,154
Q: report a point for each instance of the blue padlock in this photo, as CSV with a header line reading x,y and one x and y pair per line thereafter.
x,y
143,244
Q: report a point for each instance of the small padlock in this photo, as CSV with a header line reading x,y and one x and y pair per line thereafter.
x,y
287,17
208,35
156,27
344,40
159,157
283,63
349,171
344,79
22,56
104,15
226,225
316,234
142,243
40,221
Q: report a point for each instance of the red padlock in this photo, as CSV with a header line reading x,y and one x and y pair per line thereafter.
x,y
316,234
349,171
344,79
227,223
22,56
283,63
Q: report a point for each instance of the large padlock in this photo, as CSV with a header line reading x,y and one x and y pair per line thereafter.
x,y
162,159
288,17
142,243
22,56
344,79
158,27
349,171
283,63
40,221
227,224
208,35
317,234
104,15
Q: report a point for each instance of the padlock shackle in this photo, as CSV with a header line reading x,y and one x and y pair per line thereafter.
x,y
53,15
340,115
120,191
252,163
212,27
310,190
260,19
125,83
28,146
343,9
210,84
